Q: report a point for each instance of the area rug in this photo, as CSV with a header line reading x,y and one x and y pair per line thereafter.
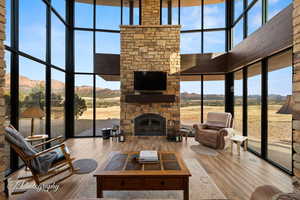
x,y
85,166
201,187
200,149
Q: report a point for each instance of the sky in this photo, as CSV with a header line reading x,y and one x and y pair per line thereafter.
x,y
33,38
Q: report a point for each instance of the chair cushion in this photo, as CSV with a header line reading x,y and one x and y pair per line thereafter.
x,y
16,138
60,155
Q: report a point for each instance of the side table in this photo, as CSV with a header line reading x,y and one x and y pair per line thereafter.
x,y
239,140
185,132
37,138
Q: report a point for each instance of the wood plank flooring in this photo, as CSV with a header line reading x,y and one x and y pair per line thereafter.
x,y
236,176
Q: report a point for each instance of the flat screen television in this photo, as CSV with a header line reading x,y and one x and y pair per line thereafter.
x,y
150,81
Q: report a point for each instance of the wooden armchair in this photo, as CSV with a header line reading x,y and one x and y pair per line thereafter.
x,y
58,166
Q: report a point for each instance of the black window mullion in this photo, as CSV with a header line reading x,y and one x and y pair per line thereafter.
x,y
264,11
202,96
229,20
245,101
264,109
140,12
14,82
131,12
121,12
202,26
94,77
69,103
161,9
229,93
169,12
48,71
245,25
179,12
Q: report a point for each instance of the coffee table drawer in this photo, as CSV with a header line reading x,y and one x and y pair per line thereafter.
x,y
164,183
121,183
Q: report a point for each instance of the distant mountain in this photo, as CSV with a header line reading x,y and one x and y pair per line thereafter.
x,y
87,91
26,85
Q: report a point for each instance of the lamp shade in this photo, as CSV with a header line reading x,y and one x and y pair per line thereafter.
x,y
33,112
287,107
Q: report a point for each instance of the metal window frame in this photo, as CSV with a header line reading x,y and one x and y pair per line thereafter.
x,y
70,65
15,53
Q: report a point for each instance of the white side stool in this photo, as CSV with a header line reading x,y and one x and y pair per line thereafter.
x,y
239,140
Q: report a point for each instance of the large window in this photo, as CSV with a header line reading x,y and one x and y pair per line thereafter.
x,y
238,8
214,14
7,25
254,107
190,104
7,96
31,97
275,6
58,34
107,104
32,29
107,42
280,102
190,43
108,16
214,41
127,4
255,17
238,32
57,103
84,14
60,7
214,94
83,105
165,11
191,16
238,101
84,51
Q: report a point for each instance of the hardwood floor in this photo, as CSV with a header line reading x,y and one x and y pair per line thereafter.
x,y
235,176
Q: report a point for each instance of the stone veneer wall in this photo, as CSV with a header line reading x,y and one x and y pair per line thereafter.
x,y
3,152
149,48
296,87
150,12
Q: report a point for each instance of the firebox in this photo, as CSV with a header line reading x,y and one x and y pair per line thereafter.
x,y
150,125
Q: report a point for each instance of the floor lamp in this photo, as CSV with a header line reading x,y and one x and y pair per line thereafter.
x,y
33,112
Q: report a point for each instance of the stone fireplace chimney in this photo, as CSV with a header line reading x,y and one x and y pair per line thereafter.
x,y
150,47
151,12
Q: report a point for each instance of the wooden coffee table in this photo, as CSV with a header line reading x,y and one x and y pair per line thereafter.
x,y
123,172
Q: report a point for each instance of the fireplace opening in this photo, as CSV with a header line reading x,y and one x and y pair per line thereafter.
x,y
150,125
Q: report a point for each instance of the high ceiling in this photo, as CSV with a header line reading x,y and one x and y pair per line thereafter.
x,y
183,3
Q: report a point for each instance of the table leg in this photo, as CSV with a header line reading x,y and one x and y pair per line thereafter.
x,y
99,188
238,147
231,147
186,189
245,145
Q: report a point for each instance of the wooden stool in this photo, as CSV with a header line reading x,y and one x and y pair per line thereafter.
x,y
239,140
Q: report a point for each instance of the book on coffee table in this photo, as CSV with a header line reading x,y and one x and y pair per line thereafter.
x,y
148,157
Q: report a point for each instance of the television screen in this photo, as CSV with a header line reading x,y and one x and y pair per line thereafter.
x,y
150,80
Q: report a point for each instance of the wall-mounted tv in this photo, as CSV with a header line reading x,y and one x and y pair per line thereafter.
x,y
150,80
